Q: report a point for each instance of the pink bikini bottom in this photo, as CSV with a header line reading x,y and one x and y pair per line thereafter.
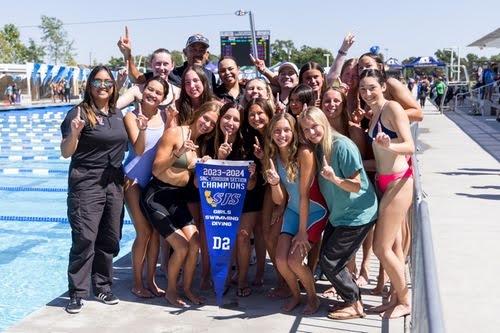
x,y
383,181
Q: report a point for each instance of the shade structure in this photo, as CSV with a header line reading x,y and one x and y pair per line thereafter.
x,y
490,40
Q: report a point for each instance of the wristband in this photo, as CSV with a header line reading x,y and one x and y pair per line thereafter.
x,y
175,155
274,184
344,53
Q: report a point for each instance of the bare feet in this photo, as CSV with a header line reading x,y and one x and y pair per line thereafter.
x,y
329,293
173,299
383,307
312,306
291,304
379,290
279,292
142,293
397,311
196,300
157,291
362,279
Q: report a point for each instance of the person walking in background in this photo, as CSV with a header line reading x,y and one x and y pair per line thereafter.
x,y
440,88
94,136
423,90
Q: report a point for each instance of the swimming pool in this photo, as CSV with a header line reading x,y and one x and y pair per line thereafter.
x,y
34,234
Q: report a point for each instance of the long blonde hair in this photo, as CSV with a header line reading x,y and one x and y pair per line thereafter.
x,y
326,144
271,150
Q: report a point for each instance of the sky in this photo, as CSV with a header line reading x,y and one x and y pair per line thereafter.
x,y
401,28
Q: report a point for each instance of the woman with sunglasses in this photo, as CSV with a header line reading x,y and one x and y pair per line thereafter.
x,y
94,137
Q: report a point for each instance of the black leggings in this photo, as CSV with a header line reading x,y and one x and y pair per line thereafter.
x,y
165,207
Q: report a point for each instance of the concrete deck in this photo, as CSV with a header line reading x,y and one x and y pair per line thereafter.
x,y
461,177
256,313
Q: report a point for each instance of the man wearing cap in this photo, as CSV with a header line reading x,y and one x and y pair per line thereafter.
x,y
197,54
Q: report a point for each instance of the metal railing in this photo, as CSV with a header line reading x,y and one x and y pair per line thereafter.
x,y
475,103
426,315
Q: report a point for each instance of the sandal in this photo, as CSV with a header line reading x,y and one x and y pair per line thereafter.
x,y
142,293
244,292
345,314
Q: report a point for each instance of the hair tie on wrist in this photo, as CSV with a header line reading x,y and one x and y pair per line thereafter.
x,y
344,53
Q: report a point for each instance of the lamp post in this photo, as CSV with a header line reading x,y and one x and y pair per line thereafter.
x,y
241,12
327,56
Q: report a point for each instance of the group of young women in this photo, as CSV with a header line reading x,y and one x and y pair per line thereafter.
x,y
319,143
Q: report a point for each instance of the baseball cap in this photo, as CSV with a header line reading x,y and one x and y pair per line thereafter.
x,y
289,65
197,38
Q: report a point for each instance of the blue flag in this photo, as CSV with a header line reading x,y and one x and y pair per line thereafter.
x,y
222,185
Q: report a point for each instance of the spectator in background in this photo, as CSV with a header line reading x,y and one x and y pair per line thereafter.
x,y
488,78
423,90
67,91
440,88
15,92
8,93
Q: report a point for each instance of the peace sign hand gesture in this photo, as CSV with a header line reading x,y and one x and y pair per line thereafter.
x,y
258,63
77,123
257,149
225,148
141,120
124,45
272,176
382,139
280,107
327,171
349,39
187,145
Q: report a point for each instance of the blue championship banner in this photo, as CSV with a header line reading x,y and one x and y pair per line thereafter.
x,y
222,185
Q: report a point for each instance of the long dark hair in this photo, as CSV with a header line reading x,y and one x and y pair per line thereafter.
x,y
88,105
185,105
238,149
311,65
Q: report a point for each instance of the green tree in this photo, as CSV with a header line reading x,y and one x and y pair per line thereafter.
x,y
307,53
116,62
282,50
55,40
34,52
12,49
177,57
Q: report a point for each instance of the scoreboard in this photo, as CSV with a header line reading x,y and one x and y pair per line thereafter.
x,y
238,44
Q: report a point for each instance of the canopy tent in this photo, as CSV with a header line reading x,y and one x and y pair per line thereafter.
x,y
394,64
425,62
490,40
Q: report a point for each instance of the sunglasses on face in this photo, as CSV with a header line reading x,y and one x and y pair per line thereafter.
x,y
97,83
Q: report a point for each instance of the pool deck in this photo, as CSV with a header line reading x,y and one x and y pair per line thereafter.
x,y
459,178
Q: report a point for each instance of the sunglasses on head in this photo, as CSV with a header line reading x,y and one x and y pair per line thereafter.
x,y
97,83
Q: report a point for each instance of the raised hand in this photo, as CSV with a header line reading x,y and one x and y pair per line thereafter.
x,y
170,113
258,63
349,39
257,149
187,145
280,107
382,139
141,120
358,115
77,123
272,176
327,171
225,148
124,45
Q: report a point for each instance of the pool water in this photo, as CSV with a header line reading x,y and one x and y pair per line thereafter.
x,y
35,237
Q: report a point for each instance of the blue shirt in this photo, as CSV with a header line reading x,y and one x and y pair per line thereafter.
x,y
348,208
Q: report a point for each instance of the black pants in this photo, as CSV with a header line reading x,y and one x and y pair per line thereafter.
x,y
339,245
95,213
